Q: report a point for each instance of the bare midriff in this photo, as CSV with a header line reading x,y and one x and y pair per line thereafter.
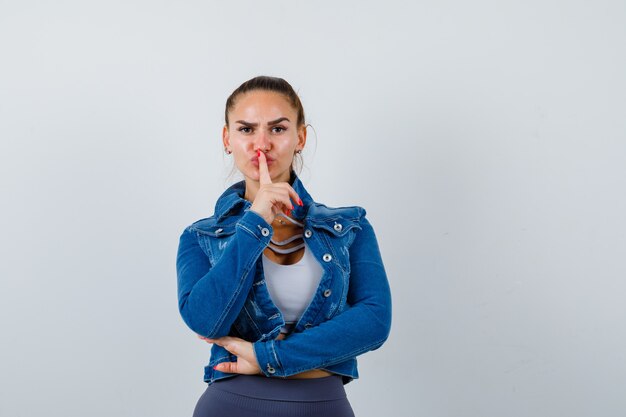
x,y
313,373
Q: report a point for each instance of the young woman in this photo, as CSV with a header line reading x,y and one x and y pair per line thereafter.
x,y
288,291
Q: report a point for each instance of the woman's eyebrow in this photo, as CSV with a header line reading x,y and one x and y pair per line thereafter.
x,y
280,119
270,123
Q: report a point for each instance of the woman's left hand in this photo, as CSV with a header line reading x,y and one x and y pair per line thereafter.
x,y
246,359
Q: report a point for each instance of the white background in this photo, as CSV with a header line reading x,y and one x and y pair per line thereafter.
x,y
486,139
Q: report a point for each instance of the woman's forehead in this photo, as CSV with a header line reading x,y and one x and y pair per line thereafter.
x,y
263,105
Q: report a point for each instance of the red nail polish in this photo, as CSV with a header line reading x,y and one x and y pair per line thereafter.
x,y
258,153
300,202
215,367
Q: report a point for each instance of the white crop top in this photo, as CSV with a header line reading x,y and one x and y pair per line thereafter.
x,y
292,286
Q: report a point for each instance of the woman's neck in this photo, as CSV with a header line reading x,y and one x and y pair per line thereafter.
x,y
252,187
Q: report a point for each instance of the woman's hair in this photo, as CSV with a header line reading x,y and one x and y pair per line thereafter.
x,y
265,83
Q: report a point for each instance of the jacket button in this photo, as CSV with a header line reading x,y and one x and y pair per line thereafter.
x,y
307,233
327,257
327,292
218,231
265,231
270,369
308,326
338,227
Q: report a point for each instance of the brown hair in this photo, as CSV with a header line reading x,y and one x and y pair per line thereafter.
x,y
274,84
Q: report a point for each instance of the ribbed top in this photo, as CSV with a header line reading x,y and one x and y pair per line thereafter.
x,y
292,286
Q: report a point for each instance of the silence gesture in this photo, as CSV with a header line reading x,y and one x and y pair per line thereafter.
x,y
272,198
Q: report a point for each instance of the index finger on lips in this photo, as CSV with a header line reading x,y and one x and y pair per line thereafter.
x,y
264,173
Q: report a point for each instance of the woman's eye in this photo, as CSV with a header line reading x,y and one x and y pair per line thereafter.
x,y
245,129
278,129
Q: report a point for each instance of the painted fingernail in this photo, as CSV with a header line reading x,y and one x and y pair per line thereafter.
x,y
215,367
258,153
300,202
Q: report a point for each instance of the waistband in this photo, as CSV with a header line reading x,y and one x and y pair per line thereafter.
x,y
259,386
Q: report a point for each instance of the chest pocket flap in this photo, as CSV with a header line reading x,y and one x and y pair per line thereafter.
x,y
336,227
214,239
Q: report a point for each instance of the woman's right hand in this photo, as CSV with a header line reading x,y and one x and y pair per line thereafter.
x,y
272,198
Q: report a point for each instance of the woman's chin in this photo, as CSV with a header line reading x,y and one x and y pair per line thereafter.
x,y
251,176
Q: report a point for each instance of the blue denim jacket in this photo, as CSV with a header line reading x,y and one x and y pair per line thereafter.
x,y
221,287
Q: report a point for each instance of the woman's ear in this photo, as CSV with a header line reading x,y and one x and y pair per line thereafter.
x,y
225,138
301,137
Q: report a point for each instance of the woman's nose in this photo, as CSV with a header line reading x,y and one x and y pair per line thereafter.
x,y
262,141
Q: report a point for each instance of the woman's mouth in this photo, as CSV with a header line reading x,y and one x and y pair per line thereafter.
x,y
255,160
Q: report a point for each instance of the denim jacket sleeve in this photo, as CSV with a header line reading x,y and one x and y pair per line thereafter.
x,y
363,326
200,283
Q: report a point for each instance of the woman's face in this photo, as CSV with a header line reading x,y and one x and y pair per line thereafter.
x,y
263,120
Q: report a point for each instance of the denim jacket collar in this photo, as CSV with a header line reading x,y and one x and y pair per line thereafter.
x,y
231,202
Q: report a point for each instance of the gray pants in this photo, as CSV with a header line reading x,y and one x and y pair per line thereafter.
x,y
257,395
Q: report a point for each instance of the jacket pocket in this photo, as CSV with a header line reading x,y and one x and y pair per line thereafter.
x,y
214,240
338,233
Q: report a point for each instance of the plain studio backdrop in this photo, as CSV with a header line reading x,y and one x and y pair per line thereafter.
x,y
486,140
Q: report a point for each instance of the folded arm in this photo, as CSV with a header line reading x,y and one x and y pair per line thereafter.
x,y
362,326
211,296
